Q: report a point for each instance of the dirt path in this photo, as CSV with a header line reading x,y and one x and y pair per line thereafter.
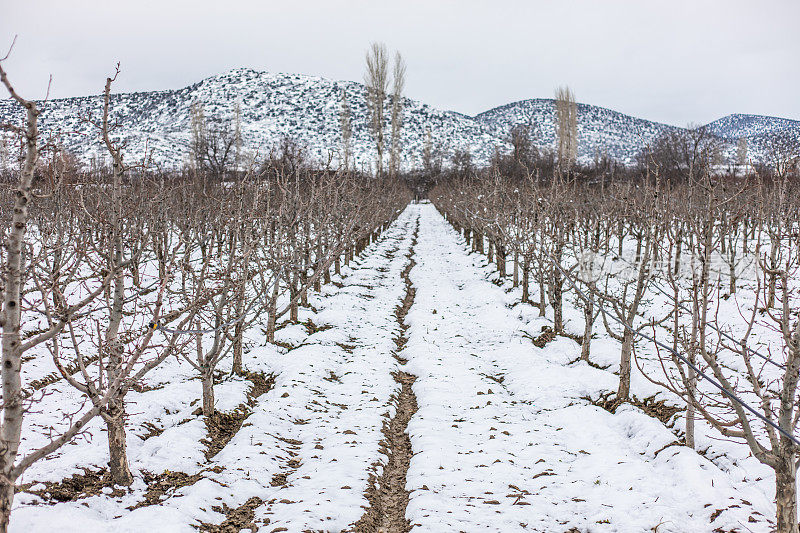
x,y
387,492
342,391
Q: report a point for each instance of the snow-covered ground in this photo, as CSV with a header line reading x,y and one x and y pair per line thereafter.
x,y
503,439
306,449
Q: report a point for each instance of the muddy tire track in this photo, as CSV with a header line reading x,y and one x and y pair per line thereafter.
x,y
387,492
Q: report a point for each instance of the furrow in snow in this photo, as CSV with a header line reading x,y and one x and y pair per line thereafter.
x,y
387,492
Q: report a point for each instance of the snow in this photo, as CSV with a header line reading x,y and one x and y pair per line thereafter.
x,y
306,108
327,408
504,438
499,418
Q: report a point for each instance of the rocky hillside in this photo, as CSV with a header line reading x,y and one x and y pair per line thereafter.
x,y
600,131
307,109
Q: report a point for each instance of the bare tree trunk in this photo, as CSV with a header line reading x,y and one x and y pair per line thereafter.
x,y
6,499
10,318
786,494
556,289
556,301
773,267
588,316
114,416
208,392
624,390
326,273
238,334
516,268
304,293
293,307
690,408
744,235
542,294
638,249
526,268
271,320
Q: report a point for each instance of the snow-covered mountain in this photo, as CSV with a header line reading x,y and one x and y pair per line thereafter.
x,y
764,134
600,130
307,109
738,125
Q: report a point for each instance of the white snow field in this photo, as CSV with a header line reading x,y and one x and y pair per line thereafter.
x,y
502,439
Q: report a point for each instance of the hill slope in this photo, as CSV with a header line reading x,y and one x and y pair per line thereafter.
x,y
307,109
600,131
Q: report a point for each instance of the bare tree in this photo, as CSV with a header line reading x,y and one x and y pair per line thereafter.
x,y
427,152
625,291
566,126
14,307
768,430
221,274
11,429
347,130
126,349
741,151
216,142
376,80
399,80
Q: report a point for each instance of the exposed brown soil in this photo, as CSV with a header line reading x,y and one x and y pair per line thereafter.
x,y
79,486
332,377
312,328
49,379
92,483
237,518
590,363
595,365
279,479
656,408
387,492
223,426
346,347
221,429
152,431
547,335
158,485
285,345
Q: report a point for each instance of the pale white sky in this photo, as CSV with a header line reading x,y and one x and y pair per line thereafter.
x,y
674,61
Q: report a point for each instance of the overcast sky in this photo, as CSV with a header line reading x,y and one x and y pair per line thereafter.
x,y
671,61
